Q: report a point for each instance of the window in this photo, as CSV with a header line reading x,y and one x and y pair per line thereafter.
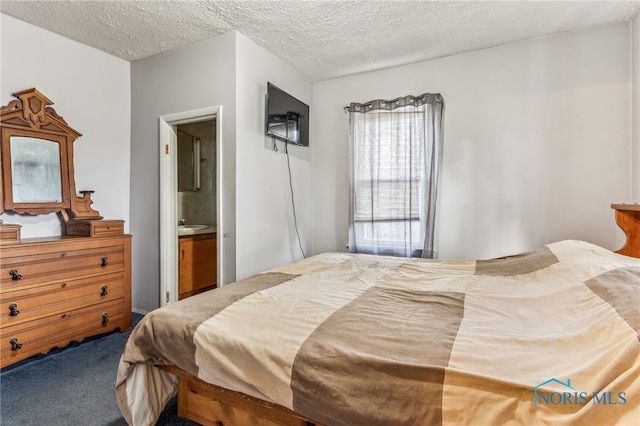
x,y
395,149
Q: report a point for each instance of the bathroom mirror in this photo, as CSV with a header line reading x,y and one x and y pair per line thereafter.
x,y
188,162
37,160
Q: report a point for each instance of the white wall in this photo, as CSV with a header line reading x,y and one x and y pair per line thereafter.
x,y
91,91
197,76
537,142
230,71
266,235
635,56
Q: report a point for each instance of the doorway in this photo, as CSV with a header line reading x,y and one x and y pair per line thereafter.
x,y
169,207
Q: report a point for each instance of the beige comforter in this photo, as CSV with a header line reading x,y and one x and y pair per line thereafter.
x,y
544,337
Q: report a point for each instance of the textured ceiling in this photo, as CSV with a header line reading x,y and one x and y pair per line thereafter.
x,y
322,39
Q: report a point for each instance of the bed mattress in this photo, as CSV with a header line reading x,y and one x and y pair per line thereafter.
x,y
549,336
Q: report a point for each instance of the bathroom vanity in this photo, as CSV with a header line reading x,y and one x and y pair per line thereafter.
x,y
197,254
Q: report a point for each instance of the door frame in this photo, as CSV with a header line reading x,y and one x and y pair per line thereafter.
x,y
168,142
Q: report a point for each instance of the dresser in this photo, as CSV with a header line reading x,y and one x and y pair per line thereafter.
x,y
61,289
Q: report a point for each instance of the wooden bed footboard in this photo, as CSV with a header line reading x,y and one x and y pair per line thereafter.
x,y
212,405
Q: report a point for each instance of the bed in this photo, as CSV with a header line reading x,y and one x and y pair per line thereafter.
x,y
550,336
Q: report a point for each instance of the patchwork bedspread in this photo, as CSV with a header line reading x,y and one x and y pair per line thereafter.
x,y
545,337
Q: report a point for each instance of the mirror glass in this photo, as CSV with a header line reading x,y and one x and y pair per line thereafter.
x,y
35,170
188,162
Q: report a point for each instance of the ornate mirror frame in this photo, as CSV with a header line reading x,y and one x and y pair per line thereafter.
x,y
30,116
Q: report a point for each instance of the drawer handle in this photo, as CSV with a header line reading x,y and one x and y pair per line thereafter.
x,y
105,290
105,318
14,310
15,344
104,262
15,276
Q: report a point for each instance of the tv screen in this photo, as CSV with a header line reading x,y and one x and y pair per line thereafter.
x,y
287,118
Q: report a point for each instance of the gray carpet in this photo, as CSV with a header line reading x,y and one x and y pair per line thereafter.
x,y
70,386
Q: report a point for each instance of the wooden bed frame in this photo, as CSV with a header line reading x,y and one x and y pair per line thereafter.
x,y
628,219
212,405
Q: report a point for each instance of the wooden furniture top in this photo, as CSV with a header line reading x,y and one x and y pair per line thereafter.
x,y
59,238
628,207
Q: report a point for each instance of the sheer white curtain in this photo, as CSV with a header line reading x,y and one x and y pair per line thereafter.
x,y
395,150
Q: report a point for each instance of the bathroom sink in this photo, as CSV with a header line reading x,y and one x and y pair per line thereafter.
x,y
191,227
195,229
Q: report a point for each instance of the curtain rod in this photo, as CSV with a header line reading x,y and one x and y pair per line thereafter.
x,y
425,98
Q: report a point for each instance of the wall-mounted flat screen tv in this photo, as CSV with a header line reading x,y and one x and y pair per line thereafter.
x,y
287,118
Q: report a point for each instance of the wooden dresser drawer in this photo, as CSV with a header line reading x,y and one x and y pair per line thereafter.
x,y
59,330
95,228
9,233
28,271
21,306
